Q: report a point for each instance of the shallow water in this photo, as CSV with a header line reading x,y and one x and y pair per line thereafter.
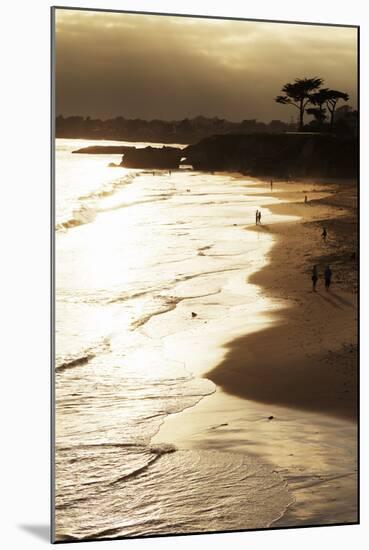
x,y
144,263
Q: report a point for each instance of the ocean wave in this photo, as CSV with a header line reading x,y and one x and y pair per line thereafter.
x,y
125,459
75,362
110,187
82,358
162,448
181,491
169,303
129,295
80,216
87,213
120,205
88,210
157,451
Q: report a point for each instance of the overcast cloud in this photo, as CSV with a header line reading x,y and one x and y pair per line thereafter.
x,y
140,66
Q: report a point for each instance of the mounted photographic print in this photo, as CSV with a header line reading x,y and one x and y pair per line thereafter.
x,y
205,274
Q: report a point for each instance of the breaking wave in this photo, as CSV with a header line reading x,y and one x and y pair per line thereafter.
x,y
88,209
82,358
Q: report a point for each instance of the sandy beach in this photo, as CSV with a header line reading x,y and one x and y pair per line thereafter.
x,y
286,390
205,315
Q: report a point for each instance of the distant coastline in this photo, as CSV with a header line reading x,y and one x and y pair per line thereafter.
x,y
186,131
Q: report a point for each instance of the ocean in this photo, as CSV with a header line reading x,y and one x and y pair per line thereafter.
x,y
147,262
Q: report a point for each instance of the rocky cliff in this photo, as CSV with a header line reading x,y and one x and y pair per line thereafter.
x,y
152,157
276,154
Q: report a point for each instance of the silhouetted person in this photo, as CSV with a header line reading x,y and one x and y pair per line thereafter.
x,y
271,185
324,234
306,199
327,277
314,277
257,217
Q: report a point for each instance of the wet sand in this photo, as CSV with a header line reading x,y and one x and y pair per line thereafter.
x,y
287,392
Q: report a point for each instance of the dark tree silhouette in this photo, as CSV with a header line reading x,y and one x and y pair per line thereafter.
x,y
299,94
318,113
319,99
333,97
326,98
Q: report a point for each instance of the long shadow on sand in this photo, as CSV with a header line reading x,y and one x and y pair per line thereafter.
x,y
260,367
329,301
342,300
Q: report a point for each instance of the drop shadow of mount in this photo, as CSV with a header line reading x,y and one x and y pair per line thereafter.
x,y
41,532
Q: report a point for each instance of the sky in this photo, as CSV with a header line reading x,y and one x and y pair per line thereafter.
x,y
171,68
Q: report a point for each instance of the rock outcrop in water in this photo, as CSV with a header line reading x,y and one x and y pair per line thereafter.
x,y
148,157
152,157
296,154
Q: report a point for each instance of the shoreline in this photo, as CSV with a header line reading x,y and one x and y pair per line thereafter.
x,y
296,411
315,328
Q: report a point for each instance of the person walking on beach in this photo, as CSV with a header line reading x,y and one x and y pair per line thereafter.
x,y
314,277
327,277
324,234
257,216
306,199
271,185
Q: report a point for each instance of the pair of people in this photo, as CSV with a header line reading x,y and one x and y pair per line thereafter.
x,y
258,217
327,277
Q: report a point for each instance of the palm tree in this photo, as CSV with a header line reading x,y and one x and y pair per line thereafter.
x,y
299,94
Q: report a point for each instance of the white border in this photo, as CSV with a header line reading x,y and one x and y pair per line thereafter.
x,y
24,305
